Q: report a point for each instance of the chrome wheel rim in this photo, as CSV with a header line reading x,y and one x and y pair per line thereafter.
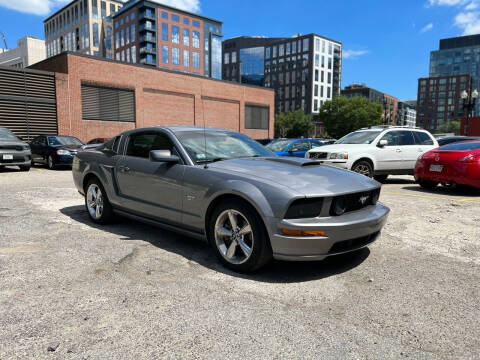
x,y
95,201
363,169
234,237
50,162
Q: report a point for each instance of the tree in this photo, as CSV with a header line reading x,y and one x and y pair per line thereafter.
x,y
343,115
293,124
449,127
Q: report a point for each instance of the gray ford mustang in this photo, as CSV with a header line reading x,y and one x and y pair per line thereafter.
x,y
224,187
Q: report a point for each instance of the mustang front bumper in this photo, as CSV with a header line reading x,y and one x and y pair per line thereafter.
x,y
346,233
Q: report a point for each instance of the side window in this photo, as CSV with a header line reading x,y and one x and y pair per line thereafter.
x,y
392,138
116,143
140,145
42,141
422,138
315,145
406,138
109,145
301,146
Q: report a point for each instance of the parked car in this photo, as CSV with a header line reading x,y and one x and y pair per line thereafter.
x,y
453,139
54,150
377,151
225,187
264,141
94,143
457,163
13,151
293,147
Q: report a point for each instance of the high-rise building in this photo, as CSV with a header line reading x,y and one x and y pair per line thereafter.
x,y
406,114
83,26
305,71
388,102
453,68
153,34
29,51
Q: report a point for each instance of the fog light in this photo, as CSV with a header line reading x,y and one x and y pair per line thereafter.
x,y
303,232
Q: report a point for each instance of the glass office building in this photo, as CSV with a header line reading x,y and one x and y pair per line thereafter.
x,y
252,65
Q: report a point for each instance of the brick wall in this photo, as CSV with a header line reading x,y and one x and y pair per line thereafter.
x,y
161,97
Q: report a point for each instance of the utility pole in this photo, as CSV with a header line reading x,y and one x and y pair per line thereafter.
x,y
4,40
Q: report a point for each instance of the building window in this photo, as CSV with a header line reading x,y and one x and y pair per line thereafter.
x,y
280,50
165,54
104,9
117,56
107,104
321,91
196,39
134,54
127,36
175,18
95,9
329,48
112,9
317,60
323,62
234,57
305,44
95,34
164,15
316,91
176,56
328,92
294,47
317,44
226,58
176,34
316,75
196,23
186,58
164,32
132,16
128,55
123,55
117,39
267,53
329,63
133,32
186,21
274,53
256,117
186,37
288,49
196,60
315,105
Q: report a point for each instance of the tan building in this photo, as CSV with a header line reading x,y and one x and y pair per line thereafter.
x,y
83,26
29,51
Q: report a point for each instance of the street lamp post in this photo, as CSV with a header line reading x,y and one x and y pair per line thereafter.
x,y
469,101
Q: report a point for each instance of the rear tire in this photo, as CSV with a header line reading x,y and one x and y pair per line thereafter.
x,y
24,168
50,162
238,237
364,168
427,184
98,206
381,178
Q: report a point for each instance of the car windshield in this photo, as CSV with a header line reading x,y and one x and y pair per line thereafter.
x,y
359,137
7,135
63,140
279,145
218,145
463,146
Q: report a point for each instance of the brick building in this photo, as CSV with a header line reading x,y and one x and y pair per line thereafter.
x,y
101,98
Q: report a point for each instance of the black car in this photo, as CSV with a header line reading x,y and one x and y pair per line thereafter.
x,y
453,139
54,150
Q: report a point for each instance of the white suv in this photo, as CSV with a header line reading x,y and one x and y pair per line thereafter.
x,y
377,151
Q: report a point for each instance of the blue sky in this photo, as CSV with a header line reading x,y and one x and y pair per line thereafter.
x,y
386,43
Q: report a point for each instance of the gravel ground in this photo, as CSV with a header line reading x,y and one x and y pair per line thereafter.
x,y
132,291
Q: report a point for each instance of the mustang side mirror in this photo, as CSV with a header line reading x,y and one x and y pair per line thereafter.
x,y
164,156
382,143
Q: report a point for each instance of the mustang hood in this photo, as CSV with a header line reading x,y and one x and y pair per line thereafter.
x,y
307,177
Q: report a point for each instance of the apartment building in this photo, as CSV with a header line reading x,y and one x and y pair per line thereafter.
x,y
29,51
161,36
83,26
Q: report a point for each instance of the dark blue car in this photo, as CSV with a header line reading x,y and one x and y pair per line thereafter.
x,y
54,150
293,147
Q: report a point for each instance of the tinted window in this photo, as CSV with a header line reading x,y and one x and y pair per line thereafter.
x,y
116,143
392,138
422,138
278,145
109,145
140,145
462,146
315,144
406,138
301,146
63,140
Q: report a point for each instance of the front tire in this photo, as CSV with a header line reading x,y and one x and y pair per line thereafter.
x,y
50,162
363,168
238,237
96,201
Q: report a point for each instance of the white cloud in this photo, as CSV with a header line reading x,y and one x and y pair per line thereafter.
x,y
472,6
469,22
46,7
353,54
426,28
446,2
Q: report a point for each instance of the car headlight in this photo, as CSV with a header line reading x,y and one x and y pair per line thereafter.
x,y
26,147
63,152
305,208
338,156
339,206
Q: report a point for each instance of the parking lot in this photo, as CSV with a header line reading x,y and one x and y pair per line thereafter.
x,y
129,290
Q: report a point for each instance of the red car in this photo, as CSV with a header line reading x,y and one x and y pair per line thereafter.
x,y
457,163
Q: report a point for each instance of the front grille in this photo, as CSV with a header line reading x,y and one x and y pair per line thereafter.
x,y
349,245
356,201
11,147
318,155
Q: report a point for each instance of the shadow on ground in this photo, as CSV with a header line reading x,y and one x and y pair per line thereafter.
x,y
200,252
458,191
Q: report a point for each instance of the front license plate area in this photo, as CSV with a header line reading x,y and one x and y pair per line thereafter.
x,y
436,168
7,157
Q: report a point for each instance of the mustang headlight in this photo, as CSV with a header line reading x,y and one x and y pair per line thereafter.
x,y
305,209
339,206
63,152
338,156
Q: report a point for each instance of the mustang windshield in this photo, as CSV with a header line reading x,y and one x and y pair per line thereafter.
x,y
218,145
359,137
63,140
279,145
